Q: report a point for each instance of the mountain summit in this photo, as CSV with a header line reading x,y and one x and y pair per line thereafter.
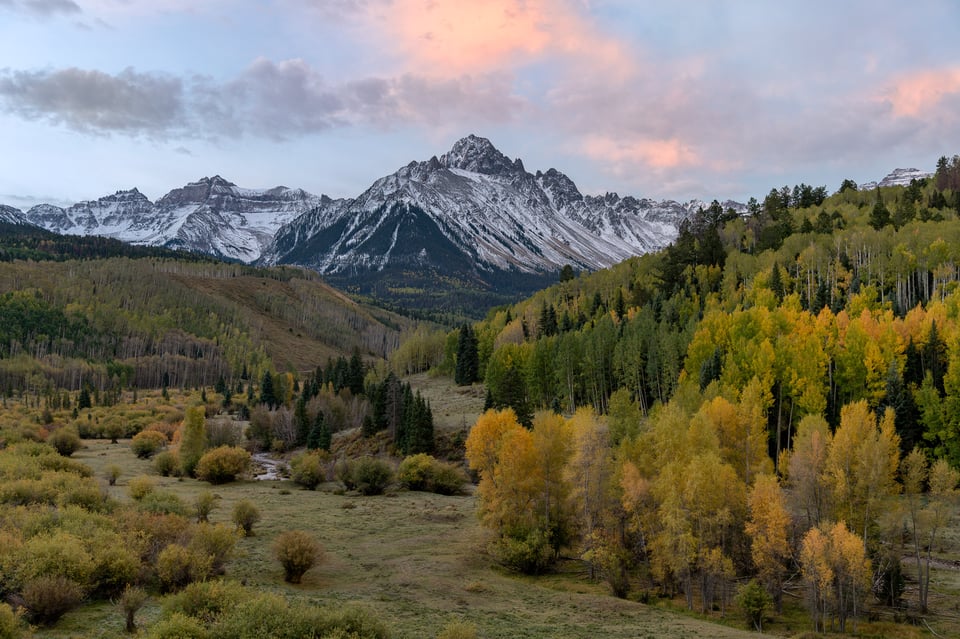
x,y
472,220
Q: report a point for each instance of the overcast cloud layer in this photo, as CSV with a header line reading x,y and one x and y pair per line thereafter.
x,y
660,99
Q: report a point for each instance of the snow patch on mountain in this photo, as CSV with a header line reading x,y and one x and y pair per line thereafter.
x,y
897,177
10,215
211,216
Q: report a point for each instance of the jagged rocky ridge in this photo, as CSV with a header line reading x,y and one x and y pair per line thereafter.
x,y
484,211
897,177
210,216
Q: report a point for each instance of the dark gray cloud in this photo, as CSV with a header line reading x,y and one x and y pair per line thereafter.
x,y
269,99
93,101
42,8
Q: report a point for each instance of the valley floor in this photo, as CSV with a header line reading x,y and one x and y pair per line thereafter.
x,y
412,558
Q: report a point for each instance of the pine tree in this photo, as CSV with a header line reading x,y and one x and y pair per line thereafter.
x,y
355,374
267,395
776,283
301,420
320,436
468,362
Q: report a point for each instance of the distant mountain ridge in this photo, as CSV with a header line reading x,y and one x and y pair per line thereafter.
x,y
472,219
211,216
897,177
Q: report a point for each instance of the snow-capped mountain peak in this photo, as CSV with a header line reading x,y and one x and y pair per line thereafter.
x,y
211,215
897,177
478,155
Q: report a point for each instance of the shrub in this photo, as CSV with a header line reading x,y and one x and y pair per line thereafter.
x,y
48,598
753,601
458,630
245,515
223,464
415,471
203,505
207,600
268,615
147,443
177,567
130,602
115,565
65,441
297,551
112,473
372,475
56,554
178,626
141,486
10,626
307,469
215,541
193,439
423,472
530,554
167,463
163,502
344,472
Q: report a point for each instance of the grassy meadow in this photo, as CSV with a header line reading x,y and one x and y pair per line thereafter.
x,y
417,560
413,558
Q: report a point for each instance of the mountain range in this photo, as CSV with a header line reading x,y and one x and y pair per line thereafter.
x,y
466,230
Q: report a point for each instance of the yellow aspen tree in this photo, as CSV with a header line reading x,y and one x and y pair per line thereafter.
x,y
552,445
861,464
768,527
589,473
806,467
818,575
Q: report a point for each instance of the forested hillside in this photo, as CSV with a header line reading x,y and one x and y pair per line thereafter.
x,y
164,321
813,345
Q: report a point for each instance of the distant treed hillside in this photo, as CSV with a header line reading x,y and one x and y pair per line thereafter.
x,y
826,300
149,322
26,242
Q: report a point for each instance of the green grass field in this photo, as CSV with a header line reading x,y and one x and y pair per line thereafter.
x,y
415,559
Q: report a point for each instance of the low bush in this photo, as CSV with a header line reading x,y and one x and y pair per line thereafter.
x,y
245,515
131,601
530,554
177,567
163,502
147,443
10,625
216,541
309,469
112,474
203,505
207,600
178,626
222,465
458,630
141,486
269,616
371,475
48,598
297,551
423,472
167,463
65,441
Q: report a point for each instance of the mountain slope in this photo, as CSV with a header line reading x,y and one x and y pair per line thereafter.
x,y
211,216
10,215
471,220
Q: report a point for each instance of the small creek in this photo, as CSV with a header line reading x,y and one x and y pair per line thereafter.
x,y
269,467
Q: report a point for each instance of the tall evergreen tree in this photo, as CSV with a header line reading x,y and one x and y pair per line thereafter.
x,y
267,395
320,436
355,374
468,359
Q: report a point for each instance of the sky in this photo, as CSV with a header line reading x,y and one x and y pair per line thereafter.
x,y
663,99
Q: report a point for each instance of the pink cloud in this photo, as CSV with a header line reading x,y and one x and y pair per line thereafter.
x,y
918,93
650,153
451,37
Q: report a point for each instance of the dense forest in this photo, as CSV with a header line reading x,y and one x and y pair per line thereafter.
x,y
744,403
120,322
